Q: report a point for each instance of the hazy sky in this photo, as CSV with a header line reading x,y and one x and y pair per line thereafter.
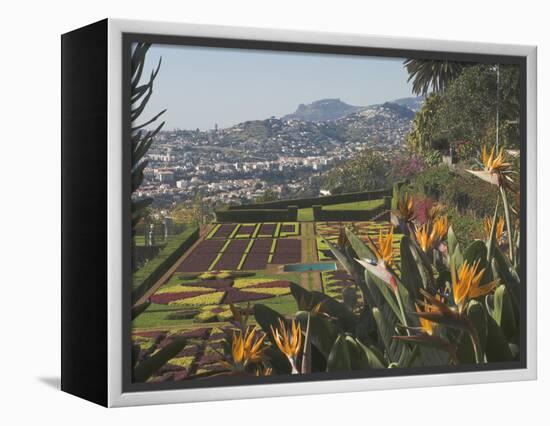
x,y
203,86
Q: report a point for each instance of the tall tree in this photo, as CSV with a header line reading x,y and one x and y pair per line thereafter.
x,y
467,110
424,126
471,104
141,138
429,75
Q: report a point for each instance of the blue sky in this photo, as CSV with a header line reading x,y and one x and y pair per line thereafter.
x,y
203,86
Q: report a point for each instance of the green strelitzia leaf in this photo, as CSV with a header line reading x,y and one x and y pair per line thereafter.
x,y
339,357
322,332
354,269
360,248
491,242
497,348
477,316
380,288
374,356
267,318
386,322
503,312
329,305
476,251
411,276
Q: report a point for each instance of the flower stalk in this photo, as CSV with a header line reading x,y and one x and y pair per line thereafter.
x,y
508,224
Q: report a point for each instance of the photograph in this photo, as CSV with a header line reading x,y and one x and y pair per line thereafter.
x,y
300,214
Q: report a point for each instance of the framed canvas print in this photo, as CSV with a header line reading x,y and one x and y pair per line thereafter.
x,y
253,213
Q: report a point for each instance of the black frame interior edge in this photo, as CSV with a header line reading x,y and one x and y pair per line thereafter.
x,y
84,212
129,38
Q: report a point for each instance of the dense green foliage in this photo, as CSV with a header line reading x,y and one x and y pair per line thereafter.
x,y
268,195
368,170
467,111
419,317
466,199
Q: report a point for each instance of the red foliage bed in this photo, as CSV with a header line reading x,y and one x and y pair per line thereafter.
x,y
224,230
267,229
255,261
228,262
288,245
236,246
197,262
262,246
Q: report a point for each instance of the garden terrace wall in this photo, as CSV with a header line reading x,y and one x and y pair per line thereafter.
x,y
144,278
309,202
287,214
320,214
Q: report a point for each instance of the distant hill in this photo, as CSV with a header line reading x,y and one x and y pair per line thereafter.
x,y
383,125
335,109
322,110
413,103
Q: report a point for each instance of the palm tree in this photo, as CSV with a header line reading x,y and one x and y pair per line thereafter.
x,y
141,138
432,74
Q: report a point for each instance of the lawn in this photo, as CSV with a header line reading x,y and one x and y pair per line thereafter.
x,y
305,215
356,205
139,241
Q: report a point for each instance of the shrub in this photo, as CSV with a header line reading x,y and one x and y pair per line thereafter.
x,y
225,315
203,299
470,195
466,226
408,166
207,276
433,158
184,314
433,181
182,289
206,316
249,282
464,150
274,291
184,361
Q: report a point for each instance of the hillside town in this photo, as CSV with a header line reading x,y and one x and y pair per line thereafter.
x,y
235,165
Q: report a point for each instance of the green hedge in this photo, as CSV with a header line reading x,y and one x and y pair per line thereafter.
x,y
145,277
289,214
323,201
320,214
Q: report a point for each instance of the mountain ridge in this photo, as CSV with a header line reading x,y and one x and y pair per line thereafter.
x,y
330,109
322,110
